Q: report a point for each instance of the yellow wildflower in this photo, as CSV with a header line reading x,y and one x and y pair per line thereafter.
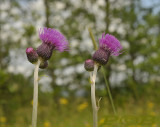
x,y
82,106
150,105
63,101
3,119
47,124
132,126
101,121
152,113
87,125
154,125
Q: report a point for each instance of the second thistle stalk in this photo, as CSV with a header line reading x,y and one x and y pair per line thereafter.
x,y
35,95
93,96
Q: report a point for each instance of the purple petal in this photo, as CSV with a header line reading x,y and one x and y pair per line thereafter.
x,y
53,36
110,43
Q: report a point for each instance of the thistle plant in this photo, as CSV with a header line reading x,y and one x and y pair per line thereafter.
x,y
51,40
108,45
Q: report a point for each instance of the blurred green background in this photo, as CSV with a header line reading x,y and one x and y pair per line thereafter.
x,y
64,89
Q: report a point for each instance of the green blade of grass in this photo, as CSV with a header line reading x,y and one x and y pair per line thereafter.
x,y
92,37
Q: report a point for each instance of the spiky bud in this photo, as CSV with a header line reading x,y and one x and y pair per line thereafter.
x,y
43,65
101,56
32,55
89,65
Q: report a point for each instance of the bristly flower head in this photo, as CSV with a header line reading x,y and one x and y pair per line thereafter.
x,y
108,45
51,39
53,36
32,55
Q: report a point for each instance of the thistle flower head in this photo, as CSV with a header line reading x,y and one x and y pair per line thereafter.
x,y
53,37
31,55
110,44
101,56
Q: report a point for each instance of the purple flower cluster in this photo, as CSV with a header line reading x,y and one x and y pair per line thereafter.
x,y
51,40
111,44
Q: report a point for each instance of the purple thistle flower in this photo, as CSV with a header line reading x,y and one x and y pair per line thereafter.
x,y
110,44
51,39
48,35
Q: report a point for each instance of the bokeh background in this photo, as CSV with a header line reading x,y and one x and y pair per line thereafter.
x,y
64,89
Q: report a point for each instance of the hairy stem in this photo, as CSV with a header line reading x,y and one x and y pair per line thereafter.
x,y
35,95
93,96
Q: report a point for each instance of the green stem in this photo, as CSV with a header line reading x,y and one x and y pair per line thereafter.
x,y
35,95
109,92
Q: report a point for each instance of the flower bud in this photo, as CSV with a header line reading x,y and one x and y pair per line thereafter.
x,y
43,65
101,56
45,50
89,65
31,55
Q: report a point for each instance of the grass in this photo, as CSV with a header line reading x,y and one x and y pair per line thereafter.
x,y
78,113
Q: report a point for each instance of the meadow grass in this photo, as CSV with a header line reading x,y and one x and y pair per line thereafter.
x,y
78,113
